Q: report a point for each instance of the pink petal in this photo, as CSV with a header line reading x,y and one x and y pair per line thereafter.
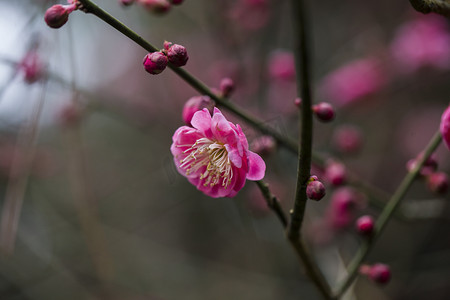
x,y
445,127
221,128
202,121
233,155
257,167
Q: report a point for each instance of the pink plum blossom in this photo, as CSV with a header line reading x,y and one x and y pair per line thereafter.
x,y
214,156
195,104
353,81
424,41
445,127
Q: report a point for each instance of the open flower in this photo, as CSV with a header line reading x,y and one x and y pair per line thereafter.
x,y
214,155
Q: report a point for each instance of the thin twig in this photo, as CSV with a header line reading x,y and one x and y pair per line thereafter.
x,y
20,171
302,66
272,202
385,216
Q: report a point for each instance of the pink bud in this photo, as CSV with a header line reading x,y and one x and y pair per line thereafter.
x,y
298,102
315,190
343,203
177,55
32,66
335,173
176,2
226,86
156,6
347,139
445,127
195,104
438,182
126,2
155,62
264,145
167,45
57,15
380,273
282,66
429,166
365,225
324,111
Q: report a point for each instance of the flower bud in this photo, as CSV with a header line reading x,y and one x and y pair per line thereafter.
x,y
264,145
156,6
226,86
347,139
343,205
32,67
324,111
380,273
57,15
126,2
429,166
315,190
177,55
195,104
298,102
155,62
445,127
282,66
438,182
335,173
365,225
167,45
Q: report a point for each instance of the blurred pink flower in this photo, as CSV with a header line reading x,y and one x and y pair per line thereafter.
x,y
424,41
353,81
445,127
195,104
32,66
282,65
250,14
214,155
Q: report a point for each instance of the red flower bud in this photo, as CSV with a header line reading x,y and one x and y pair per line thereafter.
x,y
57,15
177,55
226,86
155,62
324,111
315,190
195,104
156,6
438,182
365,225
380,273
335,173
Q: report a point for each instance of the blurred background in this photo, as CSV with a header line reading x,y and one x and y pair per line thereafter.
x,y
92,206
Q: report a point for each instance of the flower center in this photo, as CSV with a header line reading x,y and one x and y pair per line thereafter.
x,y
214,156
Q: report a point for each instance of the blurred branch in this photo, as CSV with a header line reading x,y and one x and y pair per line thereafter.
x,y
386,215
19,174
441,7
82,193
